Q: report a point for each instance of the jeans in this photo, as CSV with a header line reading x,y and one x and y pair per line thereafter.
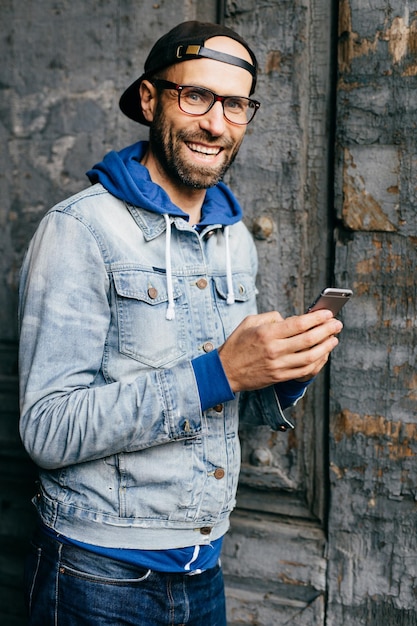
x,y
68,586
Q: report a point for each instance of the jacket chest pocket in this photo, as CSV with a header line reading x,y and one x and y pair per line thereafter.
x,y
141,306
245,291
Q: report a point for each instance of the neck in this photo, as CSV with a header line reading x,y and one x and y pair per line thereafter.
x,y
186,198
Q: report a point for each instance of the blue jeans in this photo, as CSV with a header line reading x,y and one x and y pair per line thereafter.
x,y
68,586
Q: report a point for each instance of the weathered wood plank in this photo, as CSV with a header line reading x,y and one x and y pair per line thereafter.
x,y
373,443
281,176
372,525
275,572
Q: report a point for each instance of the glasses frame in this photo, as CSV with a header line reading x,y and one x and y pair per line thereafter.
x,y
160,83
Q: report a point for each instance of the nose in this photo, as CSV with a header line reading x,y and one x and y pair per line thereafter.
x,y
214,121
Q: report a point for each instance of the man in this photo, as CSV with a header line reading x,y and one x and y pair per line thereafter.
x,y
138,334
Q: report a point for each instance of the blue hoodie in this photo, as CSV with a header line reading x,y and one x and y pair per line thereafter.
x,y
123,175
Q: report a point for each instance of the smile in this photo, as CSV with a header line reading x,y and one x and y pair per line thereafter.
x,y
205,150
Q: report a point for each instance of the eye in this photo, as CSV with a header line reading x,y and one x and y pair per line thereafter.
x,y
236,105
195,97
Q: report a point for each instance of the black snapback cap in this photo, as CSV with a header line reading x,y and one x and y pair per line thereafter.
x,y
183,43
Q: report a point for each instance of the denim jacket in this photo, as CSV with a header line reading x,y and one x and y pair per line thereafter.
x,y
110,409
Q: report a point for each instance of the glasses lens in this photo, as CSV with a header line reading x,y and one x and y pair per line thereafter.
x,y
195,100
198,101
239,110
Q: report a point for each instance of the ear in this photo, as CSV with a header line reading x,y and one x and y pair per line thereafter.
x,y
147,96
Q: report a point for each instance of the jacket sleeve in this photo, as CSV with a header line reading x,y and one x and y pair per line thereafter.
x,y
263,407
70,413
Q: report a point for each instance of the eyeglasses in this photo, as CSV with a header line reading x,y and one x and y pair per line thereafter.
x,y
199,101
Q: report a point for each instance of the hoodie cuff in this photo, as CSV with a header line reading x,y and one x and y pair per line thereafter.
x,y
291,391
212,382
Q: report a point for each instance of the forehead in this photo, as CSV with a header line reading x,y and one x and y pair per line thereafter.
x,y
216,75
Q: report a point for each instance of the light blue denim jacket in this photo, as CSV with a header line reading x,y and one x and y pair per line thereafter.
x,y
110,409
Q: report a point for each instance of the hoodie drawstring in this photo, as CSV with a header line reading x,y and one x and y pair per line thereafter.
x,y
170,314
230,292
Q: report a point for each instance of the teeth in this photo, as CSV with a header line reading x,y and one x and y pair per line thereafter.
x,y
204,150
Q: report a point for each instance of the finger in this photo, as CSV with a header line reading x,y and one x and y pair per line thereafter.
x,y
312,360
299,324
285,342
314,370
309,320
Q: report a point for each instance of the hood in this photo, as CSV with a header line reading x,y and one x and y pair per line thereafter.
x,y
122,174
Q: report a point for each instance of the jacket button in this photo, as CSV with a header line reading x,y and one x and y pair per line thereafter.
x,y
202,283
152,293
218,408
208,346
205,530
219,473
282,428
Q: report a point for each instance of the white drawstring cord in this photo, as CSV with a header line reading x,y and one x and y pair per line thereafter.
x,y
196,552
230,291
170,313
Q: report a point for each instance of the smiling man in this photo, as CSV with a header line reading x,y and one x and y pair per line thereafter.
x,y
141,348
186,154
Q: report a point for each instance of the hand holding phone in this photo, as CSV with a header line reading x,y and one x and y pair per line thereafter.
x,y
332,299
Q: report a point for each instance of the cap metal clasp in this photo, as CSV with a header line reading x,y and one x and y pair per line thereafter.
x,y
191,49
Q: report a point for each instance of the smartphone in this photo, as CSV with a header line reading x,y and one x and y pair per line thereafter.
x,y
332,299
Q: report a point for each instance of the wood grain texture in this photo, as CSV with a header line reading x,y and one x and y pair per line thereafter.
x,y
373,426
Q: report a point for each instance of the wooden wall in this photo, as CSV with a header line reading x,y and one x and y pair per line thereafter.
x,y
373,428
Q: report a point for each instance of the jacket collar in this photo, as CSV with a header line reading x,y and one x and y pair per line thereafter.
x,y
153,225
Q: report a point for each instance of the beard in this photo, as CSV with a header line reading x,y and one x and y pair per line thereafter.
x,y
166,146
